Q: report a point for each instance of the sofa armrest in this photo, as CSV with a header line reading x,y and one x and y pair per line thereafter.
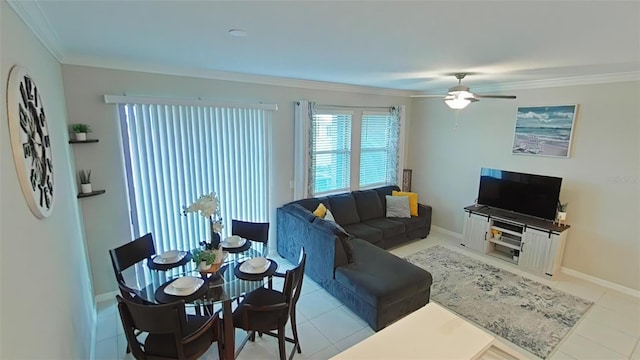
x,y
424,210
294,232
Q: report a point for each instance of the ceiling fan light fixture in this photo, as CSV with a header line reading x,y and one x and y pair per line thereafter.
x,y
458,99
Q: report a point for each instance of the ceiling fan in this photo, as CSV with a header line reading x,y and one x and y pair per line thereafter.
x,y
458,97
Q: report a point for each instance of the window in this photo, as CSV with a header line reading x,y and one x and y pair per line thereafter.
x,y
331,152
176,153
378,150
339,151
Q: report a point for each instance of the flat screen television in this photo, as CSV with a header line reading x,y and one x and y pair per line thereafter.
x,y
528,194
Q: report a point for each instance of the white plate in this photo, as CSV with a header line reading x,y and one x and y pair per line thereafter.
x,y
187,286
246,268
161,260
227,245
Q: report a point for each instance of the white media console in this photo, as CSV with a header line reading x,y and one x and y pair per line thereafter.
x,y
534,245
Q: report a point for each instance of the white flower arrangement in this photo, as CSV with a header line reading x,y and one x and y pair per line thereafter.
x,y
206,205
209,207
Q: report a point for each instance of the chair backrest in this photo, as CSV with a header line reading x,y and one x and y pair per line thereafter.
x,y
293,281
131,253
166,319
250,230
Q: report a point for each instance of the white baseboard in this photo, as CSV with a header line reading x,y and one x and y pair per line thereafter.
x,y
94,332
601,282
105,296
446,232
571,272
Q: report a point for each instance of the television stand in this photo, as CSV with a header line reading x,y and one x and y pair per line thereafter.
x,y
535,245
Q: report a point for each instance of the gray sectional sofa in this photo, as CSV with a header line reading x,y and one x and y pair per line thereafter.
x,y
347,257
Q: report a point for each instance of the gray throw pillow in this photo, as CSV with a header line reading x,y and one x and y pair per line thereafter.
x,y
398,206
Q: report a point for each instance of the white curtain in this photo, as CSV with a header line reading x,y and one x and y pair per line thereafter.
x,y
176,153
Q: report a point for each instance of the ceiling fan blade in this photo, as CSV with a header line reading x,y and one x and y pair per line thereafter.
x,y
426,95
496,96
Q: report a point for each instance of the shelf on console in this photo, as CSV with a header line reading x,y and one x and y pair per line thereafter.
x,y
503,256
506,231
505,244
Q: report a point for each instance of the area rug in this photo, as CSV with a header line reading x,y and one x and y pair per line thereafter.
x,y
525,312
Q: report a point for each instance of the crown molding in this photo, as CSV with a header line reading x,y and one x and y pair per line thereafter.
x,y
230,76
32,15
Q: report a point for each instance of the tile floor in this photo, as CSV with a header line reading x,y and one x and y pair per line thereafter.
x,y
609,330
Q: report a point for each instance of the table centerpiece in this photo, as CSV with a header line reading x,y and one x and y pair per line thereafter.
x,y
208,206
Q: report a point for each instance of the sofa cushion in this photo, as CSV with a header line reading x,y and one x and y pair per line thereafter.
x,y
320,211
344,253
412,223
364,231
384,191
368,204
309,204
300,211
343,208
389,227
413,200
374,275
398,206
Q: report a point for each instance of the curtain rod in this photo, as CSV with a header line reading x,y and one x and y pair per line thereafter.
x,y
355,106
120,99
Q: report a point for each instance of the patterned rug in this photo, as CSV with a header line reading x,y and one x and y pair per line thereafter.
x,y
527,313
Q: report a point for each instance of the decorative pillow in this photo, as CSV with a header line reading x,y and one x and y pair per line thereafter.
x,y
329,216
398,206
320,211
413,200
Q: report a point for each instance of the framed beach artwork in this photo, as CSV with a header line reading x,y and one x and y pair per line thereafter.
x,y
544,130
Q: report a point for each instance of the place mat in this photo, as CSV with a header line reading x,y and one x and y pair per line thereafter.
x,y
254,277
164,267
165,298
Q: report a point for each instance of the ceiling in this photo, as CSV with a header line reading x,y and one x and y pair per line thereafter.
x,y
412,45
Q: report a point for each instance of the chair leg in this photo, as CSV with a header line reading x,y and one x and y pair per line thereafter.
x,y
252,336
294,329
281,341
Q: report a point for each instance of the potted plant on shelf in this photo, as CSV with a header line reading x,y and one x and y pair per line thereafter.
x,y
80,131
85,181
562,212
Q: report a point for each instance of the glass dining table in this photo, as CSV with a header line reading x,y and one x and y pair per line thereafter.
x,y
220,288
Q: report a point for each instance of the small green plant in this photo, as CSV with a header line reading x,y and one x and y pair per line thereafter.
x,y
85,176
204,255
562,207
80,128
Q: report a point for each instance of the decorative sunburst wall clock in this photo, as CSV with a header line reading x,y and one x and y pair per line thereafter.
x,y
30,141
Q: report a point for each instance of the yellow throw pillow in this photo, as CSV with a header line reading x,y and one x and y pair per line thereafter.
x,y
413,200
320,211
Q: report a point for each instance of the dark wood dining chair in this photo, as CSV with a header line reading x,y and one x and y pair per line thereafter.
x,y
266,310
250,230
129,254
171,334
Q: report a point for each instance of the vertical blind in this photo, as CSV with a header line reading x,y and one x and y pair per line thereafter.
x,y
378,148
330,152
176,153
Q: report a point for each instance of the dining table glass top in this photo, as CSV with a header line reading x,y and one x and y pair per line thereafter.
x,y
223,285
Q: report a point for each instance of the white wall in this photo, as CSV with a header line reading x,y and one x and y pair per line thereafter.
x,y
47,306
106,217
600,179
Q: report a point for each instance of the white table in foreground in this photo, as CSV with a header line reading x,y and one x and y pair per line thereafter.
x,y
431,332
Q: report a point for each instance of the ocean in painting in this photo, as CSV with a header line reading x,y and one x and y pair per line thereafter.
x,y
544,125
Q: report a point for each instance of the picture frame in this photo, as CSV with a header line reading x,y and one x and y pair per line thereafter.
x,y
406,180
544,130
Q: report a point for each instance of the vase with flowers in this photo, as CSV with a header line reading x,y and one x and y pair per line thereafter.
x,y
208,206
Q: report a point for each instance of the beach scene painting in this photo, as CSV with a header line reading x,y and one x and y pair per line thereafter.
x,y
544,130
